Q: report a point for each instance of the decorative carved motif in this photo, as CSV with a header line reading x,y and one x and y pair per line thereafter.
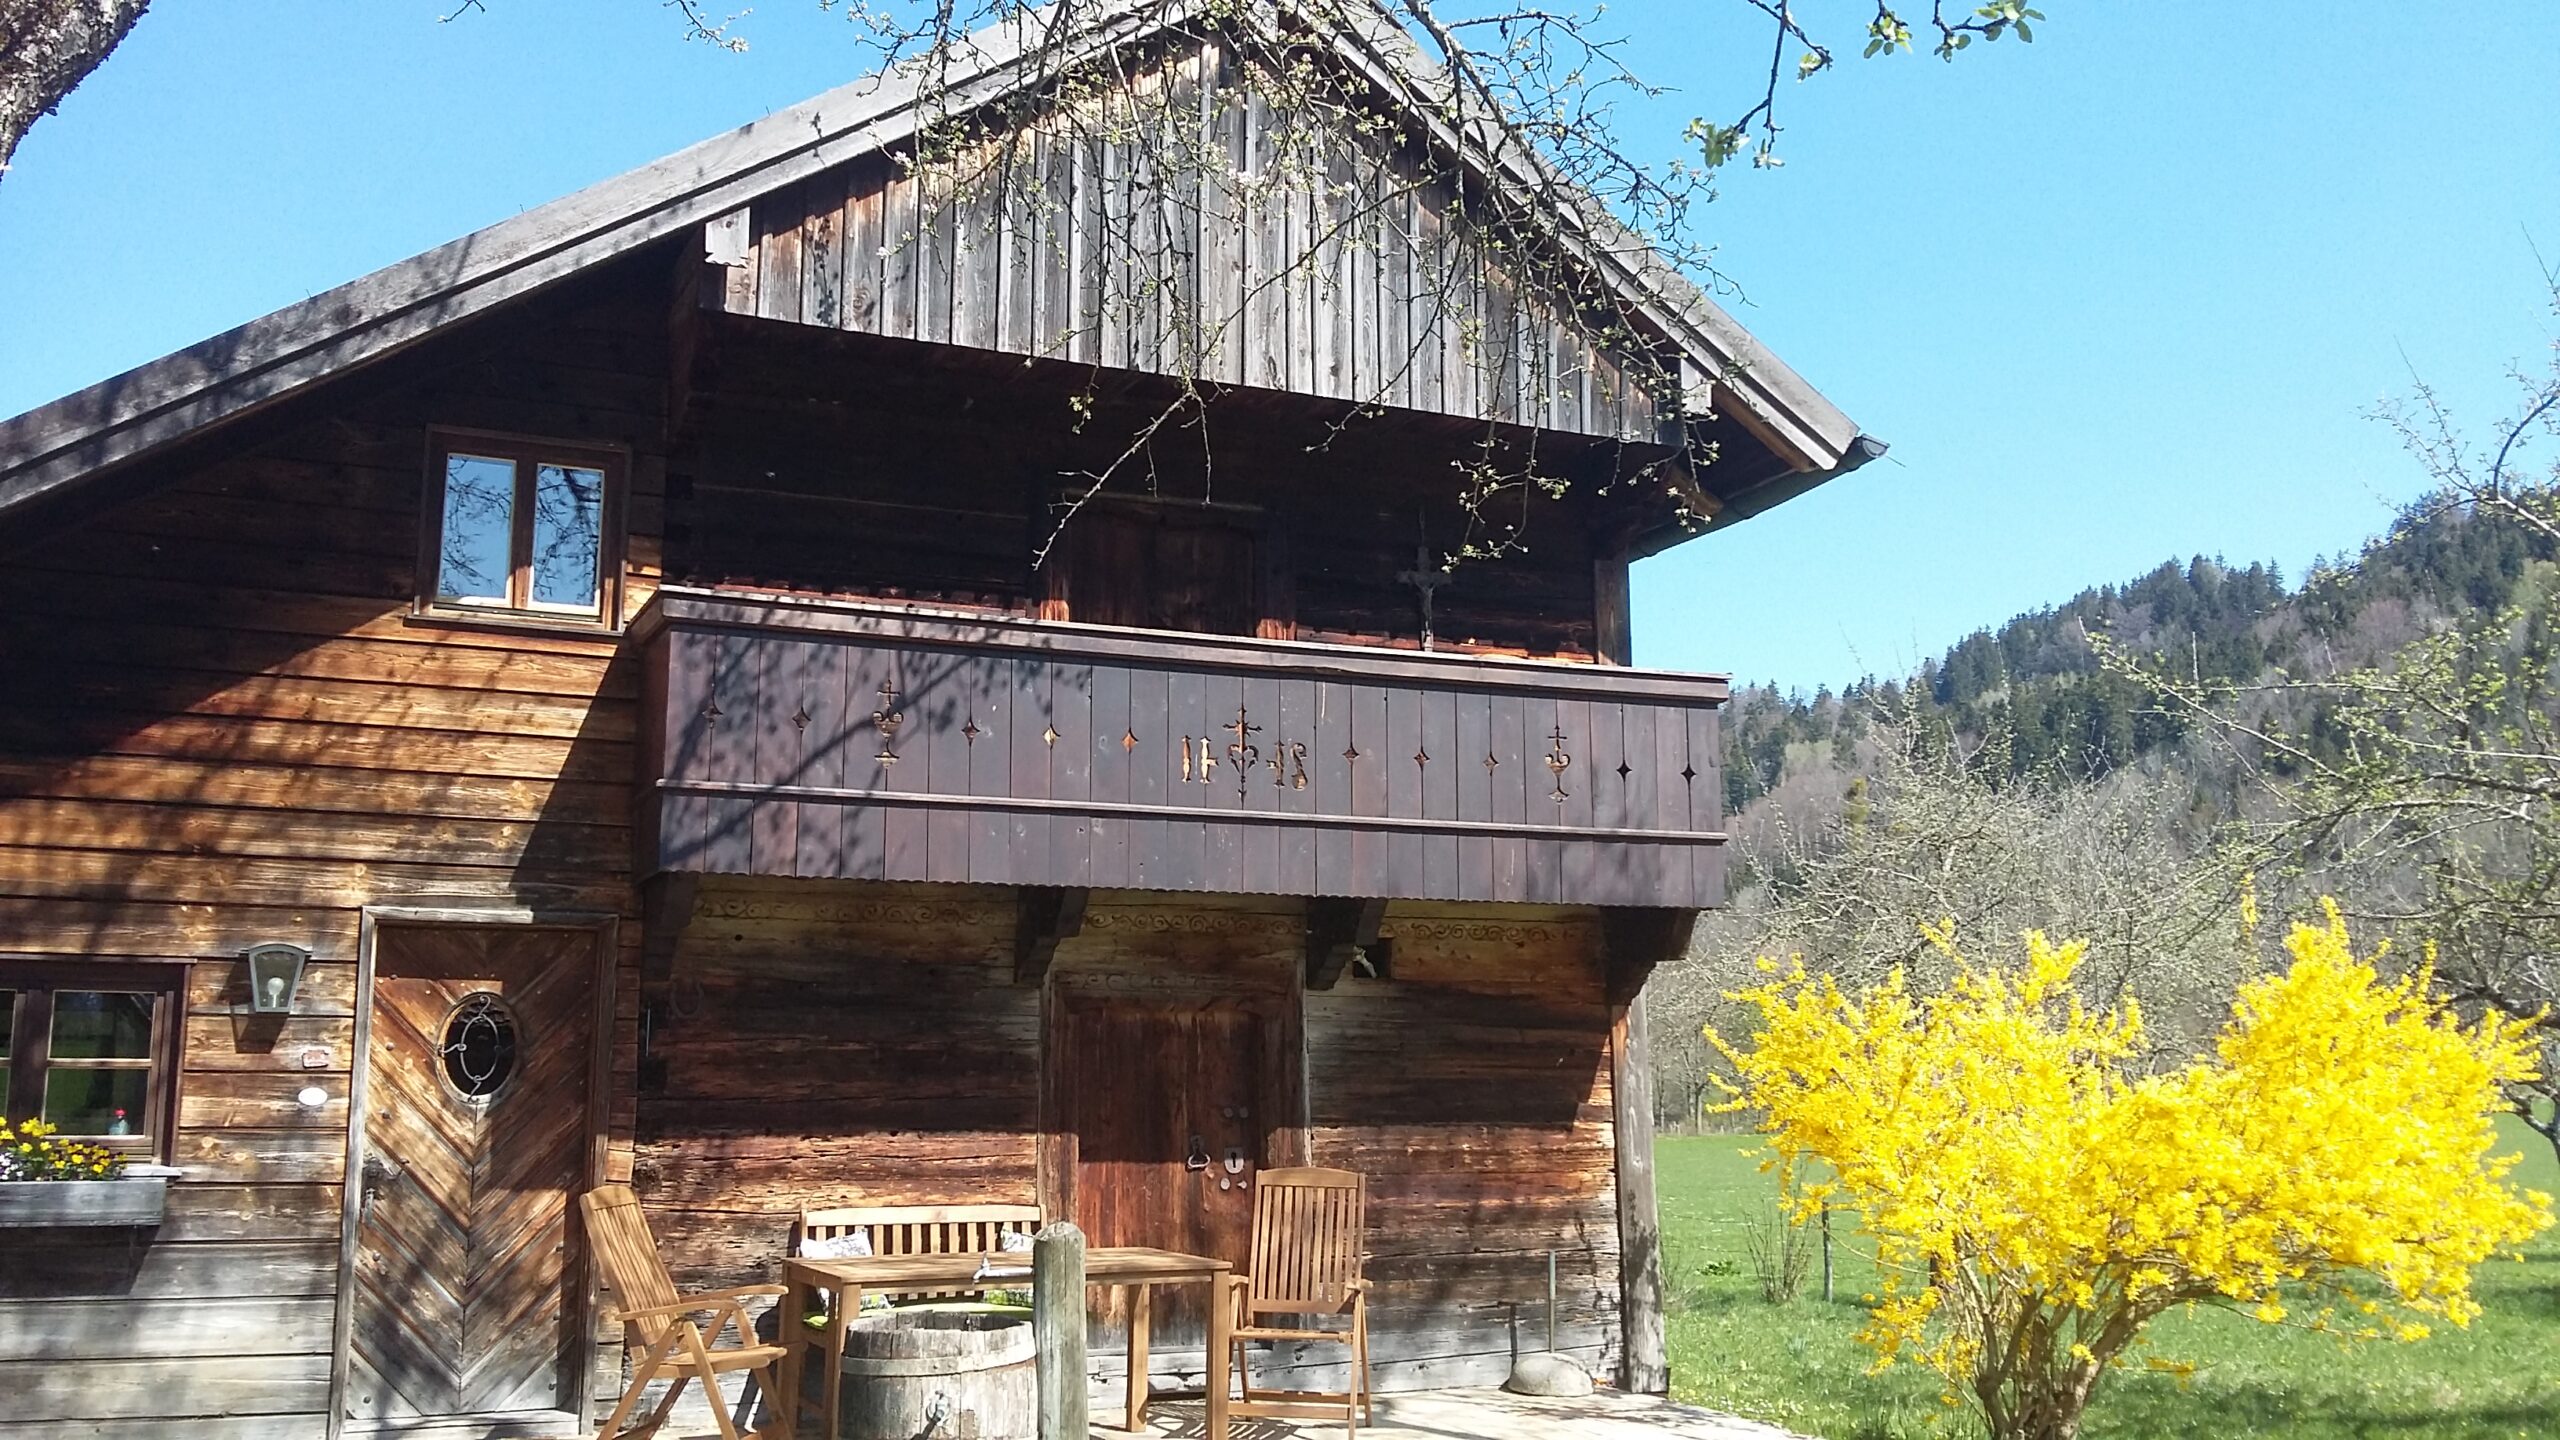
x,y
886,720
1509,934
1558,761
1180,922
1288,764
1242,752
841,912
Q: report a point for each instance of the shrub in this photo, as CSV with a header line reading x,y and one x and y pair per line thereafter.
x,y
2037,1194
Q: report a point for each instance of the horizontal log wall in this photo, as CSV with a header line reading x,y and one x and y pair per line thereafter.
x,y
833,1043
1472,1087
1313,262
221,728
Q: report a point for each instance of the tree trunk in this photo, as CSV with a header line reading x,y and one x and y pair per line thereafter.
x,y
46,48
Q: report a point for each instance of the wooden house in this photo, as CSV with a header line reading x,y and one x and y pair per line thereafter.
x,y
657,657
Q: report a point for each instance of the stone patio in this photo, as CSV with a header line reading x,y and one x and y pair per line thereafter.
x,y
1481,1415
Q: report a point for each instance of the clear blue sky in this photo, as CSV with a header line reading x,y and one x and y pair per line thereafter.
x,y
2119,296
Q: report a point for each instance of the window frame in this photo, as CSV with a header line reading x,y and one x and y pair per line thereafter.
x,y
527,453
33,983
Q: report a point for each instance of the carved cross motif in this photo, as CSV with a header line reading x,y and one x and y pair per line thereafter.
x,y
886,720
1558,762
1242,752
1425,578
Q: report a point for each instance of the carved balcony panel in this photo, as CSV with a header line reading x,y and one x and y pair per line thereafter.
x,y
819,738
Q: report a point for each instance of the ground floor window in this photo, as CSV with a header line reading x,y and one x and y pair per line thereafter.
x,y
91,1048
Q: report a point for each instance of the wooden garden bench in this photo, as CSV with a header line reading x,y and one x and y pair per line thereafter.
x,y
897,1230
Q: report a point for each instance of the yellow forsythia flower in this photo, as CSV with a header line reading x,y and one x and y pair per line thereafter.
x,y
2027,1173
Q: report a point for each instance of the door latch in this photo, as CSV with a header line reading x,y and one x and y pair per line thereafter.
x,y
1198,1159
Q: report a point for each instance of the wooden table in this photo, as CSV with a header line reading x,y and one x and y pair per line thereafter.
x,y
1133,1268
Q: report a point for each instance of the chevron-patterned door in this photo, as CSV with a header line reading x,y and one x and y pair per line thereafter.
x,y
468,1298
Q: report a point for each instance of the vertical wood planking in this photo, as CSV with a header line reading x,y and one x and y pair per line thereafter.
x,y
1581,859
1474,746
1329,782
940,705
1511,780
822,251
1114,755
1294,869
1031,723
862,261
1440,780
1071,697
902,237
1264,787
990,689
937,242
778,288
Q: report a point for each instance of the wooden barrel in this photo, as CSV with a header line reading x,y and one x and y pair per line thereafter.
x,y
938,1375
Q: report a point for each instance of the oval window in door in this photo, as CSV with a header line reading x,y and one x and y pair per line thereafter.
x,y
478,1047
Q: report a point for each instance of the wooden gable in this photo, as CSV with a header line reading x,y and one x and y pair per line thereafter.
x,y
1191,225
1094,257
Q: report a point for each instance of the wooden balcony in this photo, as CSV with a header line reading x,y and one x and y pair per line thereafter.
x,y
812,738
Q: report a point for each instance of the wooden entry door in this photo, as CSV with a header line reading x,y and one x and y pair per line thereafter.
x,y
467,1297
1165,1101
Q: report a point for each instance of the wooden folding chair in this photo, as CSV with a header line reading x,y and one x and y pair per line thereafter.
x,y
1306,1261
671,1342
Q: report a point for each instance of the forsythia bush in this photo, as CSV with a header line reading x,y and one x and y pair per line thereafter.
x,y
2037,1194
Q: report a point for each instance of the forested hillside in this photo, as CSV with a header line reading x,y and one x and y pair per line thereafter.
x,y
2037,680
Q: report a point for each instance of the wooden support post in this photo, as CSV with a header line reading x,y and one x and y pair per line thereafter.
x,y
1057,1325
1644,1365
1045,915
1337,930
1634,941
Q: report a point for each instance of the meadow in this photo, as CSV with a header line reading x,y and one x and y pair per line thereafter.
x,y
1798,1364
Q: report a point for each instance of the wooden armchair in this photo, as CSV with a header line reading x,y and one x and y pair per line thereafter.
x,y
894,1230
672,1343
1306,1261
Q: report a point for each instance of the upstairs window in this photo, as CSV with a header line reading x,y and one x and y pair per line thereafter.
x,y
91,1048
527,528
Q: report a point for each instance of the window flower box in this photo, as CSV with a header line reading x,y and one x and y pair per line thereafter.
x,y
126,1200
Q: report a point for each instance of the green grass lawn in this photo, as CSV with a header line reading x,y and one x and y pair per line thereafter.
x,y
1797,1364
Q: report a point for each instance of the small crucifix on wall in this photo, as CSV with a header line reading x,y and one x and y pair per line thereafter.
x,y
1425,578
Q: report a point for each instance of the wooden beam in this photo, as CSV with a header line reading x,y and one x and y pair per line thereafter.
x,y
1045,915
1337,930
1644,1365
667,903
1633,940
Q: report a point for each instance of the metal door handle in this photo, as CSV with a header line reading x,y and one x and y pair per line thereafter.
x,y
1198,1159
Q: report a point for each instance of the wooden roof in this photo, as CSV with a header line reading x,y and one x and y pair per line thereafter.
x,y
52,449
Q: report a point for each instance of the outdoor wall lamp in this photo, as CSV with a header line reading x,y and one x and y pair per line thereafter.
x,y
275,973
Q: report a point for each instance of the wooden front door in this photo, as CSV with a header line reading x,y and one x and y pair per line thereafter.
x,y
467,1297
1164,1100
